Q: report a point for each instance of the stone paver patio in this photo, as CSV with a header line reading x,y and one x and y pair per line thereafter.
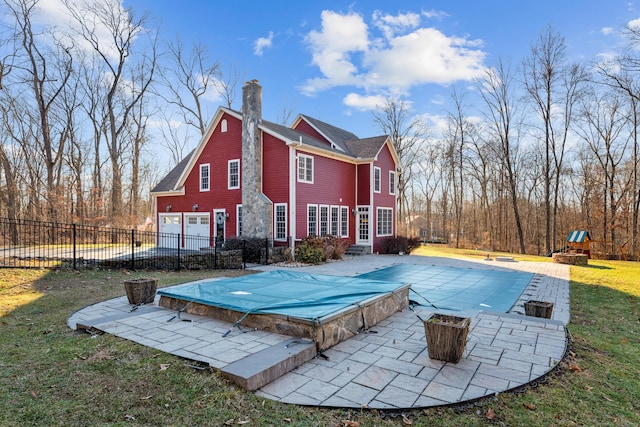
x,y
388,366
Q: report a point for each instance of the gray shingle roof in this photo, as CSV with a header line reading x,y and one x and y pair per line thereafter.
x,y
168,183
334,134
366,148
295,135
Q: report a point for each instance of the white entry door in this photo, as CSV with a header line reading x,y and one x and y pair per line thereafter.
x,y
197,231
364,226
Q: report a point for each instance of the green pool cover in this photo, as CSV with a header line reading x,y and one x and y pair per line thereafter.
x,y
455,288
289,293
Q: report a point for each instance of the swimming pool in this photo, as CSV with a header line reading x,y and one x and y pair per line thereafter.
x,y
453,288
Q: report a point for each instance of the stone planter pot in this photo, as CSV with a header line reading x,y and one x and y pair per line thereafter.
x,y
538,309
446,336
141,291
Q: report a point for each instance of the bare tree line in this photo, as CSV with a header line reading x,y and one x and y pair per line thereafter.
x,y
77,104
548,146
532,150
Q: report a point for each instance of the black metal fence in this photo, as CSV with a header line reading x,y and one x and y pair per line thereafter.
x,y
36,244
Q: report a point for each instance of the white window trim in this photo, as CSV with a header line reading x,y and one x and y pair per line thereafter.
x,y
320,221
223,126
305,157
229,163
238,216
275,222
378,209
377,169
342,211
337,209
317,219
208,166
392,189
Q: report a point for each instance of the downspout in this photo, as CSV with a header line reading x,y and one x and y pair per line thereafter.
x,y
292,195
372,203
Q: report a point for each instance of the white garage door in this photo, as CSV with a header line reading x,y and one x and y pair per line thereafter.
x,y
170,229
197,231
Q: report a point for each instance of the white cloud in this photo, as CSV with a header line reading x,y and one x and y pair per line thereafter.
x,y
434,14
364,103
262,43
392,55
634,23
331,49
390,24
606,30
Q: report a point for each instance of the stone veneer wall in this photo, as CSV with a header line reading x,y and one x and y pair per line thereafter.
x,y
257,209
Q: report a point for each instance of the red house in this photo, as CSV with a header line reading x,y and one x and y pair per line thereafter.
x,y
254,178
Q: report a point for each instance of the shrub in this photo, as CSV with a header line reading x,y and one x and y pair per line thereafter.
x,y
316,249
309,254
395,245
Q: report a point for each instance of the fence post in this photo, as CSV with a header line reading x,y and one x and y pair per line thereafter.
x,y
73,234
178,257
215,253
133,249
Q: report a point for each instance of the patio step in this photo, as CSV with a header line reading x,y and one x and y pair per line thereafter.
x,y
357,250
259,369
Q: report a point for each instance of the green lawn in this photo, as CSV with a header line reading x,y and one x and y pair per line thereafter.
x,y
54,376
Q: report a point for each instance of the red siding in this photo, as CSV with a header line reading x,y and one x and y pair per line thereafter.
x,y
305,128
220,148
275,169
364,184
384,199
333,185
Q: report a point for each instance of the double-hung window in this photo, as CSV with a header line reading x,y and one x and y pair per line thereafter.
x,y
344,221
305,168
312,220
324,221
376,179
280,221
205,183
234,174
334,221
384,221
392,182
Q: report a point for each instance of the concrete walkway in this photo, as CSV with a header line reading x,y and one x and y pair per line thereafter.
x,y
388,366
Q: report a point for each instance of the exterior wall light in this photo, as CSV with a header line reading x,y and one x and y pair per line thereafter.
x,y
168,208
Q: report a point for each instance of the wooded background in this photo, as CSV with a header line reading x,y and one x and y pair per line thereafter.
x,y
536,148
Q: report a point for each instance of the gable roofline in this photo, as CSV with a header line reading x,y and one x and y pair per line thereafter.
x,y
203,143
335,135
304,142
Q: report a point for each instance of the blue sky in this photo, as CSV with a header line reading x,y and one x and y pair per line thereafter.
x,y
335,60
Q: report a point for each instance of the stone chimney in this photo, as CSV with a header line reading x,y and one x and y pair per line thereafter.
x,y
257,209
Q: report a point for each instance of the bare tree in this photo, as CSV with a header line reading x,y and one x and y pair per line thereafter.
x,y
458,135
406,136
498,95
554,88
116,61
605,132
188,79
46,72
